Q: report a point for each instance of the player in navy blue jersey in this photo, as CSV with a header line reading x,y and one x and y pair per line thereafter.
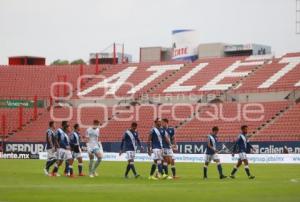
x,y
155,145
211,153
242,147
50,146
130,141
168,153
75,142
64,151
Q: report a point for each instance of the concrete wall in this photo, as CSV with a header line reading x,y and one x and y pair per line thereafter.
x,y
211,50
150,54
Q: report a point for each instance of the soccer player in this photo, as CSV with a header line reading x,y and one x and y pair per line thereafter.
x,y
155,149
130,141
94,147
64,151
58,134
242,146
168,154
50,146
75,142
211,153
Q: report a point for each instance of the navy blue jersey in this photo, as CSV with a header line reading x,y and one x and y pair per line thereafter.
x,y
58,134
240,144
171,133
157,134
165,136
50,139
212,139
63,139
75,141
130,141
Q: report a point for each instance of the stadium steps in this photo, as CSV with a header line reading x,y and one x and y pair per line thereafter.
x,y
223,94
273,119
31,121
242,79
160,83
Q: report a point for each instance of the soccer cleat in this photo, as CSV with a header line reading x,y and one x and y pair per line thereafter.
x,y
137,176
232,176
81,174
152,178
126,177
72,176
91,175
169,178
54,175
95,174
46,171
205,178
223,177
251,177
164,176
175,177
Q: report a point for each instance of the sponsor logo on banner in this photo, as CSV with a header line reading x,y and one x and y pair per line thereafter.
x,y
199,158
31,148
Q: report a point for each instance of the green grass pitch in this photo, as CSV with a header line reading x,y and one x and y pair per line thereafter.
x,y
23,180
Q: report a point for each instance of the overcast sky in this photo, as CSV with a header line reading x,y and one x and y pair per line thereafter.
x,y
71,29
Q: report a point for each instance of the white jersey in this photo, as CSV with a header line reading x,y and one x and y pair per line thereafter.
x,y
93,135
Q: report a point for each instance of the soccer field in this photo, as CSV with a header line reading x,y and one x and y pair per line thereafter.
x,y
23,180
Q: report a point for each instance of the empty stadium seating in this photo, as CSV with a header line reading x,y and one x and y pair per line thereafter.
x,y
286,127
211,75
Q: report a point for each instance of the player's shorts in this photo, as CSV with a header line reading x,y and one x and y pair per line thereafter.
x,y
51,154
130,155
168,152
76,155
243,156
211,157
64,154
157,154
95,149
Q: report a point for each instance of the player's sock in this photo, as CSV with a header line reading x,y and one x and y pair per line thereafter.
x,y
91,166
233,170
55,169
173,168
165,168
127,169
71,170
247,170
205,171
97,164
49,163
153,168
133,168
159,167
219,166
80,168
67,167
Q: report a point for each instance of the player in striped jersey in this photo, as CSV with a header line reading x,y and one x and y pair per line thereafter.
x,y
50,146
211,153
75,141
129,144
242,147
64,151
155,147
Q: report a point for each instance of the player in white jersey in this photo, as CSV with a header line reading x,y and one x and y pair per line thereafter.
x,y
94,147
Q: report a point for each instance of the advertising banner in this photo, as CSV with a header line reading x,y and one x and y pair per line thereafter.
x,y
185,44
199,158
17,103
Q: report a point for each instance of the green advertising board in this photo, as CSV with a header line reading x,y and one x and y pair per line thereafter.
x,y
17,103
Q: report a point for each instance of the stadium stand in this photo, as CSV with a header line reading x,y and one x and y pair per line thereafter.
x,y
236,75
